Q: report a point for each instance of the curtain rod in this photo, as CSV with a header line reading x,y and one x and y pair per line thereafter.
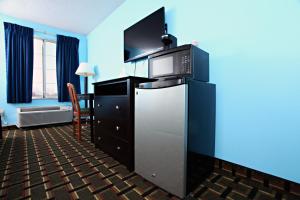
x,y
44,32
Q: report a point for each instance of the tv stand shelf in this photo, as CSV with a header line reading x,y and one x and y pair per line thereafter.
x,y
114,117
117,88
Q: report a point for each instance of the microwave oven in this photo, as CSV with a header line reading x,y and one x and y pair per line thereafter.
x,y
186,61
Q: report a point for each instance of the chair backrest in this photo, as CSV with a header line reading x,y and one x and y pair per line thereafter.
x,y
73,97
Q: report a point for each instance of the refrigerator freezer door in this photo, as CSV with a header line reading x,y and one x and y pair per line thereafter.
x,y
161,136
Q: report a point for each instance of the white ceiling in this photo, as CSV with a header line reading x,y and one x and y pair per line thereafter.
x,y
78,16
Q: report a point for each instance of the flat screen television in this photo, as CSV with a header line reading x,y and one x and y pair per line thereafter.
x,y
144,37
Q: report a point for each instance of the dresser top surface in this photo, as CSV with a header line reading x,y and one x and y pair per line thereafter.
x,y
133,78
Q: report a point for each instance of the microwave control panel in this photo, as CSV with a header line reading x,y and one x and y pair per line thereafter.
x,y
186,65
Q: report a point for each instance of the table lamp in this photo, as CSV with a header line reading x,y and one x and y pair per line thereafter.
x,y
85,70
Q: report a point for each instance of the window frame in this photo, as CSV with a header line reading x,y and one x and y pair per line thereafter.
x,y
44,69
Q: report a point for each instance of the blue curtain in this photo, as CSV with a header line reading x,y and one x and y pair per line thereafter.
x,y
67,62
19,63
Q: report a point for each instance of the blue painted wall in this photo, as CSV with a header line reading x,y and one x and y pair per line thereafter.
x,y
254,51
10,109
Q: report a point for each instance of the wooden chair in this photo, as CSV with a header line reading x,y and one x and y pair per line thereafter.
x,y
78,113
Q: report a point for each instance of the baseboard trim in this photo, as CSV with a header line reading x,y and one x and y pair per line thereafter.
x,y
261,178
14,127
9,127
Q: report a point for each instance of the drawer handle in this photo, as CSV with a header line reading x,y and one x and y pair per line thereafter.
x,y
117,107
99,138
118,148
98,121
117,128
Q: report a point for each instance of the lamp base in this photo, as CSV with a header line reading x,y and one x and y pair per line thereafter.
x,y
85,90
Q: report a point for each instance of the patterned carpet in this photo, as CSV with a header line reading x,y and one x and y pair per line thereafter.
x,y
49,163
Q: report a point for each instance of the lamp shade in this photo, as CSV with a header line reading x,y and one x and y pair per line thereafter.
x,y
85,69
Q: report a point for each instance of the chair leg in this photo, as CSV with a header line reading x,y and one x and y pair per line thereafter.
x,y
74,127
77,127
79,130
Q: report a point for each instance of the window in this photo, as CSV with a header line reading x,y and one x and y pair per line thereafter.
x,y
44,69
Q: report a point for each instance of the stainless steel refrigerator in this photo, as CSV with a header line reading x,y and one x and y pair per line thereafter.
x,y
174,134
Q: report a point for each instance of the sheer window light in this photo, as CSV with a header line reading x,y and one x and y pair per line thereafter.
x,y
44,69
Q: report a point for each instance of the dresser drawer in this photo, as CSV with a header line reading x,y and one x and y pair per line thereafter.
x,y
114,147
111,107
116,128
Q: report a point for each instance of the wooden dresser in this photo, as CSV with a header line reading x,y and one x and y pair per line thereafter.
x,y
114,118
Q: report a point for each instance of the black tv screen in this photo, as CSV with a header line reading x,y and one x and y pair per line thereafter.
x,y
144,37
